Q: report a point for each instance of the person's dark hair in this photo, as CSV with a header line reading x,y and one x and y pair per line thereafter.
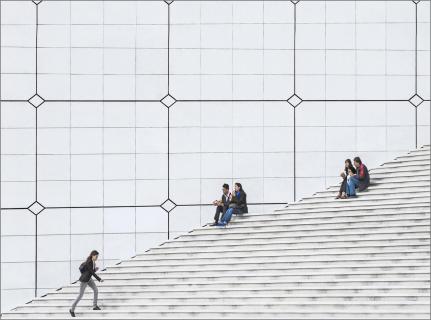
x,y
350,166
226,186
92,253
358,160
239,186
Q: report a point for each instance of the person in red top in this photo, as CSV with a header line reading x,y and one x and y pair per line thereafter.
x,y
360,180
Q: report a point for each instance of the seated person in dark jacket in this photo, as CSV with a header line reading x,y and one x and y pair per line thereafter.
x,y
343,188
239,200
360,180
222,204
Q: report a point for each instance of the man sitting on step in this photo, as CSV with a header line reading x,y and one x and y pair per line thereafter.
x,y
222,204
360,180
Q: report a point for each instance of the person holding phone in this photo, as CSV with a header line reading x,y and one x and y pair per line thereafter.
x,y
239,200
88,269
345,174
222,204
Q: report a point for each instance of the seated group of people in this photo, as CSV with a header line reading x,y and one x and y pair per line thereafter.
x,y
234,202
355,176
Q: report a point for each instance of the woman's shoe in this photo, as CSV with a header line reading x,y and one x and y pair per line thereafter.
x,y
72,314
96,308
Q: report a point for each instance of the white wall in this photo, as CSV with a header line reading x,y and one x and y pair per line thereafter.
x,y
102,153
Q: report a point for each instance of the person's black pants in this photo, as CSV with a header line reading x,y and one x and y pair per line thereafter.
x,y
343,187
217,214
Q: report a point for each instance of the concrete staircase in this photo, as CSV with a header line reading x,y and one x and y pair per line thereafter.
x,y
319,258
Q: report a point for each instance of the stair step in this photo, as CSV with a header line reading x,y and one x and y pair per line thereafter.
x,y
364,197
358,202
400,171
251,297
420,204
308,241
287,290
261,307
387,282
241,234
283,257
293,314
368,223
273,245
376,187
268,268
371,192
406,163
331,216
262,275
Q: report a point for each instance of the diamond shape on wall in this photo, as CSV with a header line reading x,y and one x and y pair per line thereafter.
x,y
36,208
36,100
294,100
169,1
168,100
168,205
36,2
416,100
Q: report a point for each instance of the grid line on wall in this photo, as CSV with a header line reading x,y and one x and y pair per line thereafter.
x,y
70,143
294,93
135,123
103,129
416,69
36,152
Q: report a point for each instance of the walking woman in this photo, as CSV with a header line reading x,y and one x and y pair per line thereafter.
x,y
88,269
343,188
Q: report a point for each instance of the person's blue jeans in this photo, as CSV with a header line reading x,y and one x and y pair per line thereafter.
x,y
226,217
352,184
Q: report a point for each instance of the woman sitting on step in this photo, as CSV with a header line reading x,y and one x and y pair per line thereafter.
x,y
343,188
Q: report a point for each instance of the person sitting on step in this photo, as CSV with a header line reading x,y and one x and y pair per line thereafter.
x,y
345,174
360,180
239,200
222,204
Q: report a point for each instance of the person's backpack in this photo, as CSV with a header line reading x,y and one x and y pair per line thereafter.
x,y
82,267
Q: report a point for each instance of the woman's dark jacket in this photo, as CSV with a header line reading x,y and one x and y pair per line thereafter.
x,y
343,187
241,202
87,270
